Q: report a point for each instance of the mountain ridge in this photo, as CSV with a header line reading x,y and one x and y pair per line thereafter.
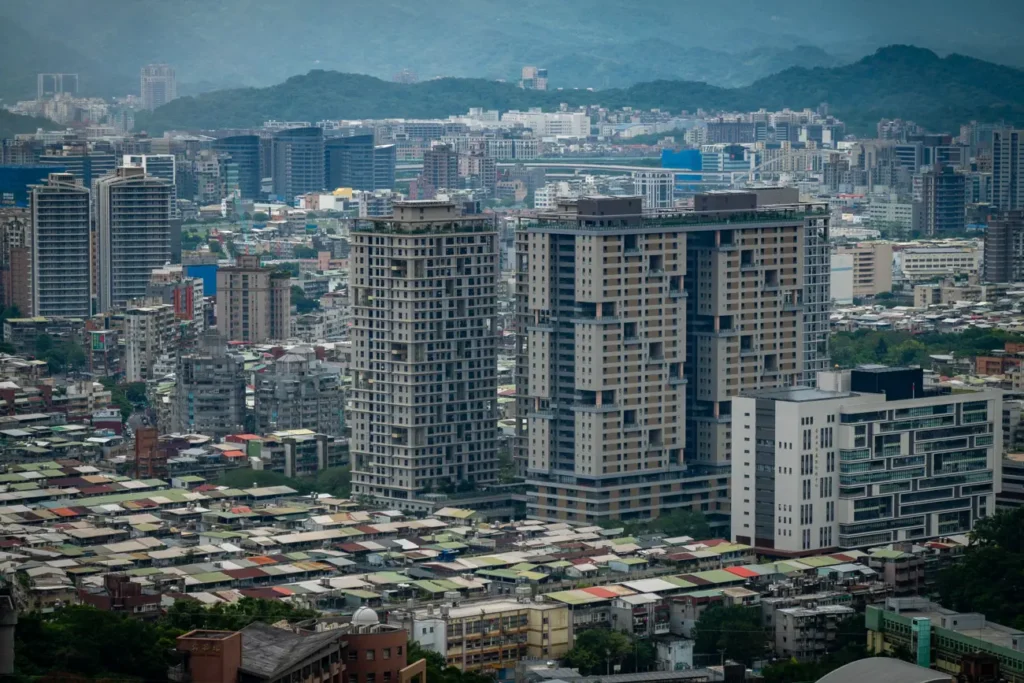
x,y
895,81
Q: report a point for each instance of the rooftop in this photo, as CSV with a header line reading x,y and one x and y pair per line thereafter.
x,y
268,651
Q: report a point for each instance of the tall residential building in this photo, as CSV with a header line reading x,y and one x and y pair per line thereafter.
x,y
441,167
298,162
253,302
758,305
1008,169
868,457
941,195
61,248
158,85
300,392
16,258
424,340
1004,248
133,225
244,151
635,333
149,333
872,267
209,396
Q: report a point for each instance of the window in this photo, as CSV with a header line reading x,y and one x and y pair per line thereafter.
x,y
369,655
386,653
387,677
353,655
398,651
371,678
353,678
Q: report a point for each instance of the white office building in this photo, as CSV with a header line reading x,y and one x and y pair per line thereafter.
x,y
867,458
551,124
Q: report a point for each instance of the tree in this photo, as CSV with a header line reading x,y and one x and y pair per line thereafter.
x,y
44,343
597,650
260,217
735,631
186,615
87,642
302,303
881,350
215,247
302,251
679,522
989,578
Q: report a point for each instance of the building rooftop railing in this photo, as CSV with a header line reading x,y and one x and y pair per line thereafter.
x,y
675,218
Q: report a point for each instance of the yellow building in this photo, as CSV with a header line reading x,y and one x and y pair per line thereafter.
x,y
492,635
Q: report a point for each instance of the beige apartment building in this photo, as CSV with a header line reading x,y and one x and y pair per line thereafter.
x,y
253,302
423,288
635,332
872,267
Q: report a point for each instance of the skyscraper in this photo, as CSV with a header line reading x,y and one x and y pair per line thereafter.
x,y
158,85
635,333
424,303
16,258
133,225
354,161
61,248
298,162
941,195
1004,248
253,302
441,167
245,152
1008,169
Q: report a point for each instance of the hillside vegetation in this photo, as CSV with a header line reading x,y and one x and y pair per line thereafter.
x,y
898,81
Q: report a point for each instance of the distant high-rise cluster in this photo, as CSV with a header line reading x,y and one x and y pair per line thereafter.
x,y
534,78
158,85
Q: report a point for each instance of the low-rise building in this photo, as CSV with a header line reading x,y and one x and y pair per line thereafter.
x,y
942,637
808,632
491,635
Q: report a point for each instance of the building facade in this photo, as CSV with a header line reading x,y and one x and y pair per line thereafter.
x,y
634,334
300,392
1004,248
424,339
942,203
872,267
61,268
149,332
298,162
656,188
1008,169
253,302
867,458
158,85
441,167
244,151
133,225
209,397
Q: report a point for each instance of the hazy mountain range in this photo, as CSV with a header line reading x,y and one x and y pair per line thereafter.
x,y
583,43
898,81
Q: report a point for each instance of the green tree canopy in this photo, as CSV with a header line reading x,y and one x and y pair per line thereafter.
x,y
989,578
598,651
734,631
302,251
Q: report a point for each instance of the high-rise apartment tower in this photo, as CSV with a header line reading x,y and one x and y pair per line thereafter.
x,y
157,85
636,332
133,225
424,307
61,251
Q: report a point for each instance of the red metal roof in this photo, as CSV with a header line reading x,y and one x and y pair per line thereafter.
x,y
741,571
600,592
